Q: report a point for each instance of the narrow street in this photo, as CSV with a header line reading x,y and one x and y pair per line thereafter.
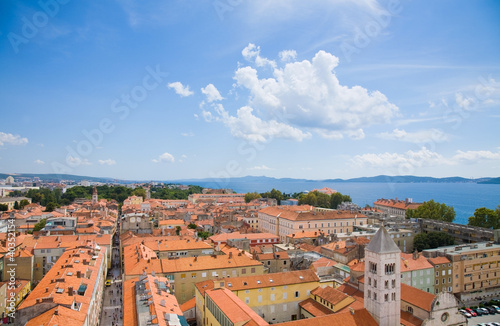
x,y
112,306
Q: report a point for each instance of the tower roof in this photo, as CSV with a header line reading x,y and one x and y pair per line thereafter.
x,y
382,242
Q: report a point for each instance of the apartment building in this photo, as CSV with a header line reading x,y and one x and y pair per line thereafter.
x,y
475,268
443,278
285,220
395,207
75,283
275,297
179,248
416,271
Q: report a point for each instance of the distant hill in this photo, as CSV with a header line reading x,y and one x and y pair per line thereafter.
x,y
491,181
259,179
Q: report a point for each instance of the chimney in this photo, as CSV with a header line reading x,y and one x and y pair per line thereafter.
x,y
415,255
230,254
70,291
78,274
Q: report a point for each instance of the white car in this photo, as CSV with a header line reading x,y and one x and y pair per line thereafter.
x,y
465,313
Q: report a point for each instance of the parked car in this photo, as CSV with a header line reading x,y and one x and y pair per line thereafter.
x,y
465,313
491,310
497,308
470,311
478,311
108,282
485,311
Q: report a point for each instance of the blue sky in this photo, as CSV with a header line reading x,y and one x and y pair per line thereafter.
x,y
168,90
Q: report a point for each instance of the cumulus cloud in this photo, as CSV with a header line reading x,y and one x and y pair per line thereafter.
x,y
76,161
165,157
107,162
180,89
420,158
212,93
308,95
11,139
187,134
251,53
288,55
421,136
40,162
474,156
247,126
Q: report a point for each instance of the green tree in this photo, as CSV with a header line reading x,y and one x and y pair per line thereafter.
x,y
40,225
433,211
276,194
139,192
16,205
177,230
50,206
432,240
4,207
337,199
486,218
192,226
251,196
204,234
23,203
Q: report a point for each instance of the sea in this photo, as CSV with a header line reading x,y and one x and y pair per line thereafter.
x,y
465,198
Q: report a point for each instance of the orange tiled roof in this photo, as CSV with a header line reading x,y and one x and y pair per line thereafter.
x,y
297,213
315,308
56,316
129,307
417,297
330,294
439,260
401,204
410,264
360,317
408,319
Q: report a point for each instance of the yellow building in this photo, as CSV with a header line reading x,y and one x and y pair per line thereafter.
x,y
223,308
443,278
475,268
11,295
183,273
275,297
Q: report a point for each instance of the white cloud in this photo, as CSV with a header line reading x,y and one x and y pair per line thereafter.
x,y
260,168
250,127
212,93
251,53
464,102
180,89
187,134
418,137
40,162
12,139
288,55
474,156
308,95
420,158
76,161
165,157
107,162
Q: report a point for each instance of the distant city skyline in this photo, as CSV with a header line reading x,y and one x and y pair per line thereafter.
x,y
217,89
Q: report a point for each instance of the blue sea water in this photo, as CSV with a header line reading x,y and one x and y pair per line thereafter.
x,y
464,197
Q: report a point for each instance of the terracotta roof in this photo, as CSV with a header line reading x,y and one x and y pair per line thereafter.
x,y
57,316
190,304
129,307
360,317
410,264
330,294
417,297
315,308
401,204
223,237
323,262
234,309
296,213
438,260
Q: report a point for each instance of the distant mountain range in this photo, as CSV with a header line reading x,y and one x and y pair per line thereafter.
x,y
259,179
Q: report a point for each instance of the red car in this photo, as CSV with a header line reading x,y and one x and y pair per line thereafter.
x,y
470,311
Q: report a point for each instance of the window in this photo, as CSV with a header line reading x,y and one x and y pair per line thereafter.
x,y
369,294
374,283
374,295
214,274
247,300
285,295
272,296
204,274
370,281
437,282
259,298
386,297
393,296
437,273
386,284
393,284
443,273
183,275
296,294
193,275
284,307
243,271
410,310
252,270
